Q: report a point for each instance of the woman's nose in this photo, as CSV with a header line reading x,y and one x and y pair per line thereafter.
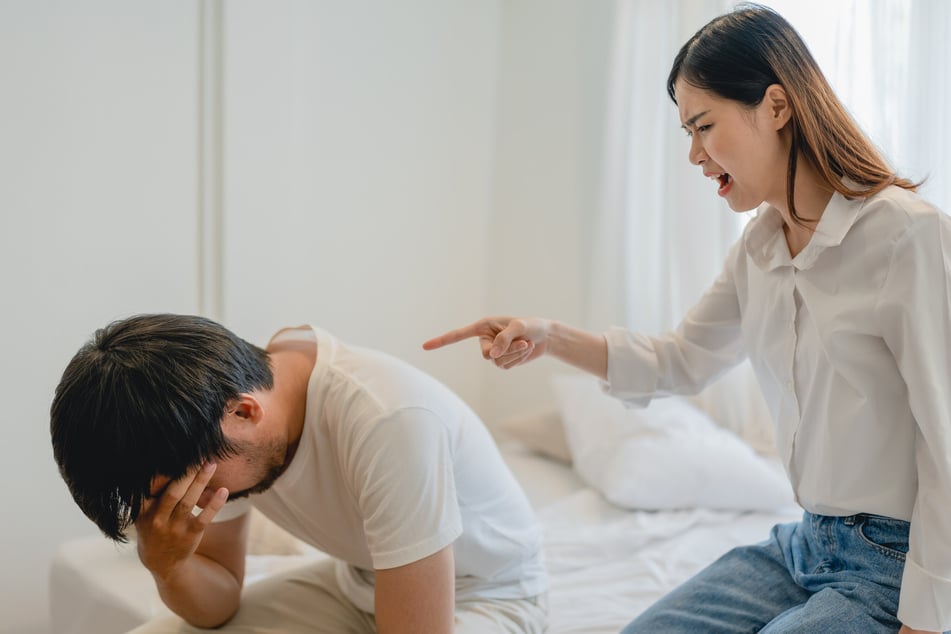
x,y
696,154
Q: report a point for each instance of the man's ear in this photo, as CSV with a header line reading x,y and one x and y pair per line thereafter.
x,y
246,408
779,109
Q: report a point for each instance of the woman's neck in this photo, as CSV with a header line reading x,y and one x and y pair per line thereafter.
x,y
811,197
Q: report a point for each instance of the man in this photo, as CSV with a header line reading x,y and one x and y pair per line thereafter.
x,y
160,420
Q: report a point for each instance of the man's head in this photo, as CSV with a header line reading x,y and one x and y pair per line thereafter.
x,y
145,397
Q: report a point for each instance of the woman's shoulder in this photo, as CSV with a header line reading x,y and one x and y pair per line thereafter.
x,y
895,211
903,202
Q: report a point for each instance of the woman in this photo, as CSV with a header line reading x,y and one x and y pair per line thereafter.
x,y
839,292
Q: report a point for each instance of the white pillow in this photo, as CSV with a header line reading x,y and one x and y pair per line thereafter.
x,y
668,455
541,431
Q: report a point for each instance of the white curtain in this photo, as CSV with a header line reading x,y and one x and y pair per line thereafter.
x,y
890,63
927,93
661,232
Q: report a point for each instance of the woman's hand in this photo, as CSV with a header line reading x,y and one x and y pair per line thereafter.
x,y
511,341
507,341
907,630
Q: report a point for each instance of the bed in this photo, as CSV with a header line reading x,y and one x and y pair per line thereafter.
x,y
632,502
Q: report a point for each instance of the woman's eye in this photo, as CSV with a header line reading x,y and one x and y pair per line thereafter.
x,y
699,128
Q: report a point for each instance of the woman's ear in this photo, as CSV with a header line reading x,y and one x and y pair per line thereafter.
x,y
776,101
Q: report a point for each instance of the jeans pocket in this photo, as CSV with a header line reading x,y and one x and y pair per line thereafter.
x,y
886,535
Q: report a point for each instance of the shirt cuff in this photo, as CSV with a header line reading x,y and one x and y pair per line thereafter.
x,y
925,601
632,367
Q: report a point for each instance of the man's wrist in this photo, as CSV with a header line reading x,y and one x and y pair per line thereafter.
x,y
170,576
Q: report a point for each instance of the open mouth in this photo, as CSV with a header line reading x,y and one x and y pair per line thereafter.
x,y
724,180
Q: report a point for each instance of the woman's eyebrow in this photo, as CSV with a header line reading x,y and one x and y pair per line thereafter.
x,y
692,120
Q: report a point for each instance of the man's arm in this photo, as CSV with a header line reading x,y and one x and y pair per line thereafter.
x,y
198,566
206,589
417,597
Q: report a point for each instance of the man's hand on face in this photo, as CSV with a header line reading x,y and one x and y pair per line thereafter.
x,y
168,530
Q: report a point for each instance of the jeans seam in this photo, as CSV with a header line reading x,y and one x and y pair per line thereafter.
x,y
834,538
888,552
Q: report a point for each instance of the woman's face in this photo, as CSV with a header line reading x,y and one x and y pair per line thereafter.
x,y
743,150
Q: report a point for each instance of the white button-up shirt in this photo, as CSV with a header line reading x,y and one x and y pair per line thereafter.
x,y
851,345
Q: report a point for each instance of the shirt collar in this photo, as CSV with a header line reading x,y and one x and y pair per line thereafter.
x,y
766,244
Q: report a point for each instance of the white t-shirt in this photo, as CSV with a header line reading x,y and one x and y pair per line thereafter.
x,y
851,344
392,467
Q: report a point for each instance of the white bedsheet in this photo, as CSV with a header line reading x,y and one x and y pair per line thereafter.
x,y
606,564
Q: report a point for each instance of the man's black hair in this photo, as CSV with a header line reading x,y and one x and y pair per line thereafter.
x,y
145,397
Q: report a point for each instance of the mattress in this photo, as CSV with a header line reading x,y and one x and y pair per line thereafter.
x,y
606,564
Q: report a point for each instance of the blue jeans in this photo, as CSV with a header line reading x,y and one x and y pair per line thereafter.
x,y
823,574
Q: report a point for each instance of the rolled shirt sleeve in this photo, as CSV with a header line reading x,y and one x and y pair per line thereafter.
x,y
705,345
915,316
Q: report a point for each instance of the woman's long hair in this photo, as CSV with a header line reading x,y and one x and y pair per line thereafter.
x,y
741,53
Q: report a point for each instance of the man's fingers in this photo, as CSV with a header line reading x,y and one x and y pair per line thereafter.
x,y
170,499
205,497
214,504
172,495
197,487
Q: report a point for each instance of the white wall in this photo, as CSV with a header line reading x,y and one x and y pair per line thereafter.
x,y
551,114
360,140
414,184
97,203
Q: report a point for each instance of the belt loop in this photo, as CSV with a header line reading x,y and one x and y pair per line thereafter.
x,y
850,520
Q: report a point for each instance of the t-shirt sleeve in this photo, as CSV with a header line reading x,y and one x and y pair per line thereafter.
x,y
402,478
